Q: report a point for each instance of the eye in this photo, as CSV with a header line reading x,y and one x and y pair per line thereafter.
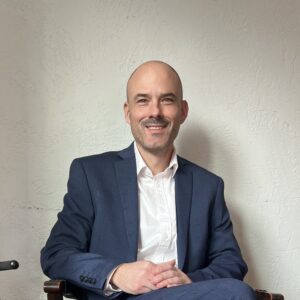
x,y
167,100
142,101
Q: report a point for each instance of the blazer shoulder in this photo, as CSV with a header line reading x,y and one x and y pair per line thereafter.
x,y
106,159
110,156
199,171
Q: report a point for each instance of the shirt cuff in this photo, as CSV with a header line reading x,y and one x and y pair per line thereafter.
x,y
109,288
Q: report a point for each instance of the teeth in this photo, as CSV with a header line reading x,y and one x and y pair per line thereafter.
x,y
155,127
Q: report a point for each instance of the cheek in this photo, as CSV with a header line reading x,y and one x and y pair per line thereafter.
x,y
136,116
175,117
132,120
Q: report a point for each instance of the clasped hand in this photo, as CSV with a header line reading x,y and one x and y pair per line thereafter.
x,y
143,276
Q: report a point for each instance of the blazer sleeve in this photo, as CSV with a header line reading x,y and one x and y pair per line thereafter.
x,y
66,254
224,259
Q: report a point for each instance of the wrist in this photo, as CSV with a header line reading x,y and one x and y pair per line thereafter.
x,y
115,276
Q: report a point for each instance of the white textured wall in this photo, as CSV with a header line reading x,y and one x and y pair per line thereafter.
x,y
63,68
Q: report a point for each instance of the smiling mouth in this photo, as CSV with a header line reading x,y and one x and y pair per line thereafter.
x,y
155,124
155,127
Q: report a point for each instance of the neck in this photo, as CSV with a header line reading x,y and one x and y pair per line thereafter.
x,y
156,161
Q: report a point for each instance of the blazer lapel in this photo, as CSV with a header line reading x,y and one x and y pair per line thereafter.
x,y
183,197
127,181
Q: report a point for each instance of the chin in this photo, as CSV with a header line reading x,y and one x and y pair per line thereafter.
x,y
157,148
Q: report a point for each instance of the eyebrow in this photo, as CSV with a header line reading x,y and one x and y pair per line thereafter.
x,y
169,95
142,95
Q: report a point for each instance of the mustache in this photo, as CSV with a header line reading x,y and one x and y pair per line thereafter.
x,y
155,122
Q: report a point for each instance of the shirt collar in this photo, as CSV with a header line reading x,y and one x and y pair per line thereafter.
x,y
141,165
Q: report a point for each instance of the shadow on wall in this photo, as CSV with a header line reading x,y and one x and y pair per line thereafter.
x,y
193,143
197,145
253,277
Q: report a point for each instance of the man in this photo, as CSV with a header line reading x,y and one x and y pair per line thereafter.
x,y
144,223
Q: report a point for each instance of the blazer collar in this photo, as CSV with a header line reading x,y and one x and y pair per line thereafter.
x,y
127,152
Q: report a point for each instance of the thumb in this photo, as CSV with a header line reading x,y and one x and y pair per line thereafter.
x,y
170,263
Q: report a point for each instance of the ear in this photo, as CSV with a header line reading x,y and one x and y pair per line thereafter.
x,y
126,112
184,110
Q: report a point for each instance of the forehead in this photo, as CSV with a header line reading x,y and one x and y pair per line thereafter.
x,y
154,78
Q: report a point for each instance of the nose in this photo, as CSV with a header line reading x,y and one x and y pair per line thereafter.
x,y
155,109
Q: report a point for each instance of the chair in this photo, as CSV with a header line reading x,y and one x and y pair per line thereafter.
x,y
9,265
57,289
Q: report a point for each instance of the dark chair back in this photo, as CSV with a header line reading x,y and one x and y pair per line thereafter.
x,y
9,265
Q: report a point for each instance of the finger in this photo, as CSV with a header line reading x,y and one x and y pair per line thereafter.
x,y
184,279
172,261
145,288
165,266
170,281
172,285
168,263
149,285
164,275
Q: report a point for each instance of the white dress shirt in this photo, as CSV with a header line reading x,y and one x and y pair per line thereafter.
x,y
157,215
157,211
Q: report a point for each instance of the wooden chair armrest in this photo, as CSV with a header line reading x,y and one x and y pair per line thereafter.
x,y
57,289
265,295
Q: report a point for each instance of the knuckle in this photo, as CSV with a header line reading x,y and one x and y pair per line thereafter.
x,y
159,278
136,287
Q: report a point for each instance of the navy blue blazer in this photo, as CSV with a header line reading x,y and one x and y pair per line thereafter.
x,y
98,226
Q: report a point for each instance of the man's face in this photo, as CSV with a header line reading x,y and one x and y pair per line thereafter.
x,y
154,108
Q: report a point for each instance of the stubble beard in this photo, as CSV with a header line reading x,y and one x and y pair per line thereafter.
x,y
155,148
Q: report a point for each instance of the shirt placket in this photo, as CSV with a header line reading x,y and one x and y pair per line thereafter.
x,y
164,218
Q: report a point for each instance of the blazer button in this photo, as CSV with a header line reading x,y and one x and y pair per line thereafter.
x,y
94,281
81,278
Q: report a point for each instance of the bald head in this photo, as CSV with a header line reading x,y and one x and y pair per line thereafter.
x,y
152,71
155,109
